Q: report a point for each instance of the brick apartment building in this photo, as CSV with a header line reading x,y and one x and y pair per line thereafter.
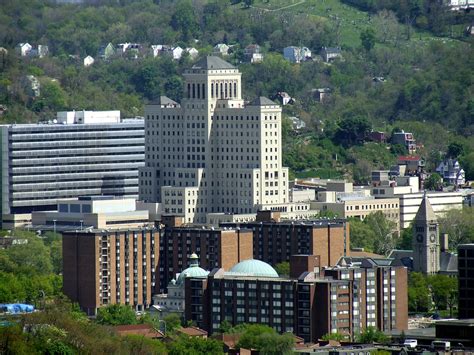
x,y
103,267
275,241
216,247
344,299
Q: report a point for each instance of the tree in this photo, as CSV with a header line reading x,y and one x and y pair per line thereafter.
x,y
384,231
372,335
455,150
367,37
418,293
185,345
184,20
283,268
444,291
116,314
172,321
434,182
352,131
334,336
264,338
459,225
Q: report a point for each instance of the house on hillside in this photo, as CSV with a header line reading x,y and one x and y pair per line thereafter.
x,y
297,123
296,54
406,139
23,49
284,98
221,49
193,52
451,172
329,54
130,50
321,95
88,61
253,54
106,51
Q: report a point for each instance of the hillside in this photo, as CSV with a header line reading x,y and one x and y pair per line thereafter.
x,y
426,86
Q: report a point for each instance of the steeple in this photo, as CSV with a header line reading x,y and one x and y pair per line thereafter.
x,y
425,212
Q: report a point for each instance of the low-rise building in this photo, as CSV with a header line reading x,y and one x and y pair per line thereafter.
x,y
88,61
451,172
98,212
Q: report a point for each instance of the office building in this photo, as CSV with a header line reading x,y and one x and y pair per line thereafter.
x,y
97,212
213,152
216,247
441,202
44,163
345,299
466,281
275,241
103,267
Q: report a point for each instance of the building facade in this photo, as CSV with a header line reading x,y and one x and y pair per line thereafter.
x,y
343,300
213,152
216,247
276,241
43,163
103,267
466,281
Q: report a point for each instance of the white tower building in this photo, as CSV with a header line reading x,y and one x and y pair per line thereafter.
x,y
213,152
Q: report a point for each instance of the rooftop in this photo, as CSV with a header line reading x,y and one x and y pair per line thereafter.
x,y
253,267
212,62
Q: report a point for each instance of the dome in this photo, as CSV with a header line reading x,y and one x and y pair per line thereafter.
x,y
192,271
253,267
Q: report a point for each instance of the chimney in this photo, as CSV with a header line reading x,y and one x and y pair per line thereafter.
x,y
444,242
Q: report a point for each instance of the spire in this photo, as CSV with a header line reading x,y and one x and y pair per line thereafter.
x,y
425,212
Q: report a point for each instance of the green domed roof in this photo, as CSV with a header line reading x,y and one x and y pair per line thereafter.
x,y
253,267
192,271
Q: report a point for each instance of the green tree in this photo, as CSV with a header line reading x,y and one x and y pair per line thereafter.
x,y
184,20
283,268
351,131
418,293
455,150
185,345
172,321
372,335
367,37
384,231
116,314
334,336
444,291
459,225
138,344
434,182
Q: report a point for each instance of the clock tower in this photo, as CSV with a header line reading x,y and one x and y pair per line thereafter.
x,y
426,247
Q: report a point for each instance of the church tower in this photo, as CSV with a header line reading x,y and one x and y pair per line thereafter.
x,y
426,247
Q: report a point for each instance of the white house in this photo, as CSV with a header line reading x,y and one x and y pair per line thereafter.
x,y
88,61
331,53
156,49
193,52
221,49
173,52
23,49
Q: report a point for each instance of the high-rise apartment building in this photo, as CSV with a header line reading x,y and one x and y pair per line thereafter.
x,y
103,267
43,163
213,152
466,280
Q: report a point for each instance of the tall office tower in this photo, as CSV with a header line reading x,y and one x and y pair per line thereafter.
x,y
213,152
466,280
82,155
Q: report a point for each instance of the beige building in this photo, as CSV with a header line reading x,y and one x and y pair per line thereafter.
x,y
97,212
213,152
